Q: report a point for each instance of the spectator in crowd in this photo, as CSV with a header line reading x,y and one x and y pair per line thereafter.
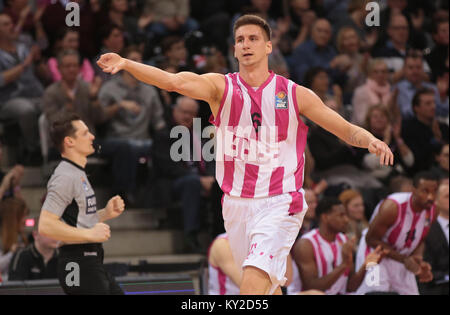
x,y
69,40
174,50
13,212
19,88
112,39
72,93
134,112
309,220
10,181
354,206
171,17
114,12
302,18
54,20
379,123
438,57
424,134
436,247
402,239
441,166
375,91
400,183
349,44
415,80
187,179
318,51
318,80
324,256
356,19
37,261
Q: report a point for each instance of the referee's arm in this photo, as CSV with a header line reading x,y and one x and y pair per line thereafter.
x,y
51,226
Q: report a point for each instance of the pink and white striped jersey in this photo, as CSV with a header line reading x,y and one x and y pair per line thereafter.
x,y
328,256
409,229
218,282
260,139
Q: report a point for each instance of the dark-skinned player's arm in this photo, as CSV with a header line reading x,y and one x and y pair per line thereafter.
x,y
303,254
312,107
385,218
207,87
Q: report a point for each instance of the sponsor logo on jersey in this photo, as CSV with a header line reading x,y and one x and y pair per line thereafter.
x,y
281,100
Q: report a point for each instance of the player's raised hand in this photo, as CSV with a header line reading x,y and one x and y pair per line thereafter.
x,y
111,63
382,150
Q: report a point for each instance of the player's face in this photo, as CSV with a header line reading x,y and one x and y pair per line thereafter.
x,y
425,193
83,140
337,219
251,45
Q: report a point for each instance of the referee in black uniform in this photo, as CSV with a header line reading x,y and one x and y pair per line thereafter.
x,y
69,213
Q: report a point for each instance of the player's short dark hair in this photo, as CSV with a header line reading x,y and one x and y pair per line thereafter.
x,y
62,127
426,175
325,205
250,19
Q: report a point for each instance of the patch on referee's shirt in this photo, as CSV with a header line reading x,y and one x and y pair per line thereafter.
x,y
91,204
281,100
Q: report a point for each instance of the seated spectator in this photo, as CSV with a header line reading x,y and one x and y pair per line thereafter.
x,y
302,18
317,79
112,40
69,40
135,111
378,123
187,179
37,261
396,47
318,52
324,256
10,182
54,20
440,169
415,80
114,12
224,276
424,134
72,93
13,212
349,44
436,247
354,206
438,57
400,183
170,17
20,90
376,91
309,220
174,50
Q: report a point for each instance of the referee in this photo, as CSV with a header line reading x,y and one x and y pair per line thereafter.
x,y
69,213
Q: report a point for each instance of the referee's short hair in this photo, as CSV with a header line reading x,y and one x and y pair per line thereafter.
x,y
62,127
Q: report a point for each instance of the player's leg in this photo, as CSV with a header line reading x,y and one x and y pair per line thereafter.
x,y
255,281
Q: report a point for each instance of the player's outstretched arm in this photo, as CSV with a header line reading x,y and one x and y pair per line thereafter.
x,y
207,87
311,106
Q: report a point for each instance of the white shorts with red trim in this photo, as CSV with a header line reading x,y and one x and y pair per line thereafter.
x,y
262,231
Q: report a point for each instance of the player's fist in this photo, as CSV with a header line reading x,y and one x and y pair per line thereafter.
x,y
100,233
111,63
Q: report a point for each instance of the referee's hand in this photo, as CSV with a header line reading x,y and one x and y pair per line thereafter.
x,y
100,233
114,207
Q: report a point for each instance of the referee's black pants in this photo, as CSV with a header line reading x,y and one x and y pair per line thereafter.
x,y
81,271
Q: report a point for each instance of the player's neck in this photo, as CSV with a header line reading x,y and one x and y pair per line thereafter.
x,y
415,206
327,234
254,76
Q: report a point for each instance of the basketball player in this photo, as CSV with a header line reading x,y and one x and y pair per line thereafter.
x,y
324,256
400,224
69,213
260,174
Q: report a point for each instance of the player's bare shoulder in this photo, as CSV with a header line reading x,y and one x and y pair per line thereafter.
x,y
218,82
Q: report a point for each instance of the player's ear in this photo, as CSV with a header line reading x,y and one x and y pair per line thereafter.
x,y
268,47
